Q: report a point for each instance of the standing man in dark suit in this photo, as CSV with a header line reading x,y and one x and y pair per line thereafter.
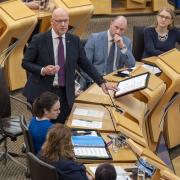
x,y
52,58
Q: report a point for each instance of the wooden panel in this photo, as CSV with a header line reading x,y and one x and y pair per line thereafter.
x,y
74,3
18,12
18,22
159,4
136,4
170,58
173,124
102,6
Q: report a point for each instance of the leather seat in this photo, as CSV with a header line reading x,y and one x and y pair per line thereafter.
x,y
10,125
138,42
40,170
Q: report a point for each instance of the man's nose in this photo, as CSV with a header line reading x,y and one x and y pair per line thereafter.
x,y
62,23
118,31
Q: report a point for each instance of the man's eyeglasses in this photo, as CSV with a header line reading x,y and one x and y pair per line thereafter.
x,y
164,17
65,21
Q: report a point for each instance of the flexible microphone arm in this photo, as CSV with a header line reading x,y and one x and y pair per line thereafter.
x,y
118,109
166,109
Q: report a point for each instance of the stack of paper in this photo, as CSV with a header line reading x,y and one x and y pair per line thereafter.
x,y
91,152
86,123
88,112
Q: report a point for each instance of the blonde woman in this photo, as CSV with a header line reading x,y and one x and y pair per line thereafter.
x,y
163,36
58,151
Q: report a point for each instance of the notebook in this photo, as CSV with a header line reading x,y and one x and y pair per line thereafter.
x,y
90,147
87,141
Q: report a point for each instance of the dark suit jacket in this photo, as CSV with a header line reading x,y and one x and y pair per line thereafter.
x,y
40,53
70,170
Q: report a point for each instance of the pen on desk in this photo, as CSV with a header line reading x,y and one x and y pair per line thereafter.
x,y
124,174
85,133
85,120
81,133
109,143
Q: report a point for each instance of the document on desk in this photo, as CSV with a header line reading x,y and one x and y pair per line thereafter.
x,y
152,69
88,112
132,84
91,153
121,173
86,123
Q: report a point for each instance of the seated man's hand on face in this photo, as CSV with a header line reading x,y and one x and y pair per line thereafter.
x,y
119,41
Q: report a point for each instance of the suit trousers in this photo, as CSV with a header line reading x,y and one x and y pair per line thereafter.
x,y
64,107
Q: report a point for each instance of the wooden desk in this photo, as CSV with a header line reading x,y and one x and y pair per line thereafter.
x,y
17,22
129,127
123,155
122,165
163,174
170,65
107,123
44,18
150,96
94,95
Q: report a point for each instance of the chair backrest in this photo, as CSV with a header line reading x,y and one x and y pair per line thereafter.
x,y
138,42
27,136
2,135
5,107
40,170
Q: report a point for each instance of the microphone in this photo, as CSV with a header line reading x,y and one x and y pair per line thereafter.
x,y
167,107
118,109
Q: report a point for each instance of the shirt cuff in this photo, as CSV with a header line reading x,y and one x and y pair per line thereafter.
x,y
124,50
42,74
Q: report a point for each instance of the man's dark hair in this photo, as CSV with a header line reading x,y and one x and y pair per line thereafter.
x,y
105,172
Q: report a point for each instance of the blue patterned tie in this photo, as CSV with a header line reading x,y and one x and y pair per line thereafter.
x,y
110,60
61,63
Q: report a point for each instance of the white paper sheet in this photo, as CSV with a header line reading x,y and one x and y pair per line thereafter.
x,y
88,112
91,152
87,123
151,69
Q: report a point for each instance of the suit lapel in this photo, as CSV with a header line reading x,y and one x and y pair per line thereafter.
x,y
68,49
49,45
105,45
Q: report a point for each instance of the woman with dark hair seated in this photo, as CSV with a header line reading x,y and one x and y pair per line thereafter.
x,y
58,151
163,36
105,172
45,108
